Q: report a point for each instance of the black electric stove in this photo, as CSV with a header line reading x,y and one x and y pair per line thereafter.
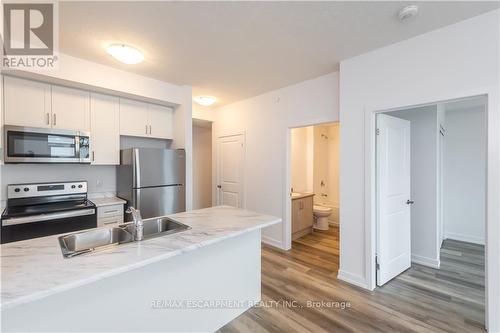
x,y
43,209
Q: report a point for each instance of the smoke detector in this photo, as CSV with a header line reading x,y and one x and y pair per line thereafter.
x,y
408,13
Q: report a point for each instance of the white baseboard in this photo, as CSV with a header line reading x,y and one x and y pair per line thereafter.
x,y
425,261
273,242
354,279
465,238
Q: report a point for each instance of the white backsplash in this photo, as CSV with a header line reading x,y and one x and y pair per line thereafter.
x,y
100,178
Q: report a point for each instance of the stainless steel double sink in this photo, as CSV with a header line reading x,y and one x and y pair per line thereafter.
x,y
99,239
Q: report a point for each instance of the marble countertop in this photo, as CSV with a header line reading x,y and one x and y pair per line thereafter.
x,y
35,268
108,201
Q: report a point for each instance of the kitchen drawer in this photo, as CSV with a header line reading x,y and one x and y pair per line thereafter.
x,y
103,221
108,211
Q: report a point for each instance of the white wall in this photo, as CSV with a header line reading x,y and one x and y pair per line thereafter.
x,y
326,164
204,113
266,120
202,167
302,159
455,61
84,74
334,167
464,175
100,178
441,120
326,168
183,138
424,183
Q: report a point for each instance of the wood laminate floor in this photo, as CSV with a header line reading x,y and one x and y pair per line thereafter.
x,y
421,299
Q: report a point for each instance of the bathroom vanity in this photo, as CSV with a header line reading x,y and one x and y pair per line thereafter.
x,y
302,214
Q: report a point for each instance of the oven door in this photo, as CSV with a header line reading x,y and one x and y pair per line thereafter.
x,y
41,145
27,227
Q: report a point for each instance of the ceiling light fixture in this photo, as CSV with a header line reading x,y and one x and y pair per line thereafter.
x,y
205,100
126,54
408,13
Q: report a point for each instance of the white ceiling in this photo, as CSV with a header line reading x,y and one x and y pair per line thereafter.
x,y
235,50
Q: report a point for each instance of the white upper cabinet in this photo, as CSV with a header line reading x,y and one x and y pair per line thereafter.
x,y
160,120
70,109
145,120
105,129
35,104
27,103
134,118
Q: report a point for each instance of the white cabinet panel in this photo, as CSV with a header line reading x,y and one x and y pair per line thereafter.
x,y
134,118
26,103
160,120
105,129
107,215
70,109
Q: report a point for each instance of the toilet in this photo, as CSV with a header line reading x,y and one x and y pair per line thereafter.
x,y
321,214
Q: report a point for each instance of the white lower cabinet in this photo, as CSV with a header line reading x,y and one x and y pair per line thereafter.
x,y
105,129
111,214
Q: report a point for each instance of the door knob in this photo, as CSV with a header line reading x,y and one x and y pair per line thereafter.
x,y
410,202
219,186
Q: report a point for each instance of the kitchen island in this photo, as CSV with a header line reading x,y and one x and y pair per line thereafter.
x,y
195,280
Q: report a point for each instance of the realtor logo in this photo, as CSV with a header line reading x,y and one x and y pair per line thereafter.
x,y
29,35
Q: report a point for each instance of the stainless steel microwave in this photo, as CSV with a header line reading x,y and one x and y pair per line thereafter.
x,y
45,145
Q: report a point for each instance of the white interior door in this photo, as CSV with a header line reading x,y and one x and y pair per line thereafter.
x,y
393,197
230,164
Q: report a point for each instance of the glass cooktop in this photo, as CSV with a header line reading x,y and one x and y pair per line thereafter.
x,y
46,208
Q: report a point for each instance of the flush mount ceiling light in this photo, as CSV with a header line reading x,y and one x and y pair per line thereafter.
x,y
126,54
205,100
408,13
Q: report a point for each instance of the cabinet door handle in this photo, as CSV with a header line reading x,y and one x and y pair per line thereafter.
x,y
93,156
54,120
48,118
149,129
146,129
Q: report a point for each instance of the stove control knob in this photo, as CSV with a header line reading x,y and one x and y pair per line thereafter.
x,y
80,186
26,189
17,189
73,186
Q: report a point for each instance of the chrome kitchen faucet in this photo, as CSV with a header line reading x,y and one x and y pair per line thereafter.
x,y
138,225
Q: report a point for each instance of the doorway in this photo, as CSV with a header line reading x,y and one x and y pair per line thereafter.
x,y
202,164
314,189
430,186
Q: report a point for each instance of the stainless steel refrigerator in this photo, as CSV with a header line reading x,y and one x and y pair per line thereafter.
x,y
152,180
